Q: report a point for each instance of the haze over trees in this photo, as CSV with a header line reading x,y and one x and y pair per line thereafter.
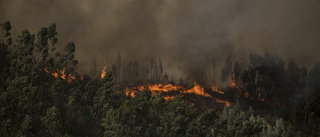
x,y
42,94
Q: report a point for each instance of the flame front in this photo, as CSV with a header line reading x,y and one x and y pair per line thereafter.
x,y
215,89
169,88
197,89
227,103
244,93
168,98
103,72
69,78
239,91
155,89
164,88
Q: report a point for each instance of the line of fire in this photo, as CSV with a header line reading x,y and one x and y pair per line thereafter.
x,y
195,94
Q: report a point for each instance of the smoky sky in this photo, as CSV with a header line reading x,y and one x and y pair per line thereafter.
x,y
186,34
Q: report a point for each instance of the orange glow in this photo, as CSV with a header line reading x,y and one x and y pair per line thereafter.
x,y
116,85
239,91
244,93
130,92
155,89
197,89
168,98
169,88
103,72
46,70
226,103
215,89
260,98
164,88
63,76
141,88
233,84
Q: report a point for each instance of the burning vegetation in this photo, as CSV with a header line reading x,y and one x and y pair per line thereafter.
x,y
35,101
61,74
103,72
173,90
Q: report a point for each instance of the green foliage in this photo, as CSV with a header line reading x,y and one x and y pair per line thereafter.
x,y
314,77
25,128
290,131
111,123
201,126
34,102
51,122
279,130
234,121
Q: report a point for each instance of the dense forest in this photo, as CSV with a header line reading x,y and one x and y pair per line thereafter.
x,y
42,94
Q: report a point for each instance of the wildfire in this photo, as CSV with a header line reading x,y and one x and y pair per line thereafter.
x,y
227,103
69,78
164,88
260,98
168,98
239,91
244,93
103,72
197,89
215,89
130,92
156,88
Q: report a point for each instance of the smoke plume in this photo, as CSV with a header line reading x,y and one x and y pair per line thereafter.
x,y
188,36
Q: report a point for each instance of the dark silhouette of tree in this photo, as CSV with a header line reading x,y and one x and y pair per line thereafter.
x,y
5,44
236,70
226,70
42,94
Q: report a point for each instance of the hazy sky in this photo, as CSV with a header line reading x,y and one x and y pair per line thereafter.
x,y
185,34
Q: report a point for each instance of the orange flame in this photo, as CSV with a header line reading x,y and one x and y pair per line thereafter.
x,y
239,91
168,98
164,88
130,92
215,89
197,89
233,84
244,93
260,98
156,88
103,72
226,103
64,76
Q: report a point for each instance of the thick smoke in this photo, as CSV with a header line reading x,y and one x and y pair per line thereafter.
x,y
187,35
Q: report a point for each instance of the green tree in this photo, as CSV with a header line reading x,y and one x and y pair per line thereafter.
x,y
201,126
314,77
111,123
226,70
236,70
5,43
234,121
25,128
51,122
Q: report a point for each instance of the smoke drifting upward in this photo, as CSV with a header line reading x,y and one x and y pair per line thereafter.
x,y
184,34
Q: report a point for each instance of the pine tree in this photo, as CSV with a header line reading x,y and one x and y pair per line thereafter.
x,y
111,123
